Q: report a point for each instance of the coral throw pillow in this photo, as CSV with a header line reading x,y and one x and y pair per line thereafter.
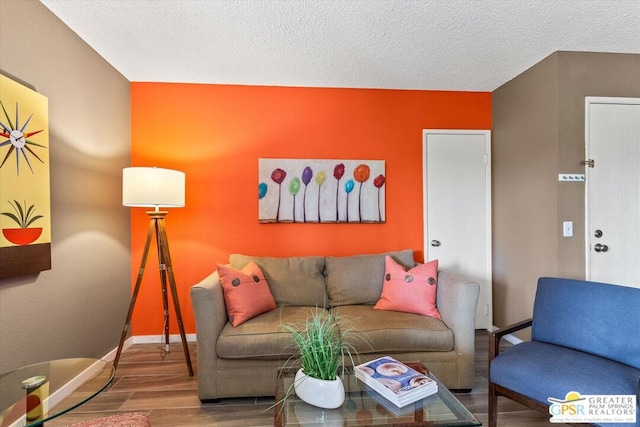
x,y
412,291
246,292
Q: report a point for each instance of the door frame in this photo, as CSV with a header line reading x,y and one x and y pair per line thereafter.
x,y
588,102
488,218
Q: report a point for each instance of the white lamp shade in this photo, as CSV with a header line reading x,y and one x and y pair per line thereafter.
x,y
152,187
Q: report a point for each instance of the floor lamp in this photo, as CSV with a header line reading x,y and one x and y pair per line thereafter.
x,y
156,188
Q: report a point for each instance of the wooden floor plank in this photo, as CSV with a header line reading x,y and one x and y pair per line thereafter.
x,y
158,384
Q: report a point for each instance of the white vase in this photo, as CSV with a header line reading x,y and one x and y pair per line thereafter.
x,y
328,394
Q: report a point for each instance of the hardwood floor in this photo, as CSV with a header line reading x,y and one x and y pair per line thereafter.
x,y
162,388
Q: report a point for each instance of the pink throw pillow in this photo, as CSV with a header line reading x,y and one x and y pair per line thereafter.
x,y
246,292
412,291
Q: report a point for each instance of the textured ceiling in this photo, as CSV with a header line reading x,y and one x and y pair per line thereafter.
x,y
473,45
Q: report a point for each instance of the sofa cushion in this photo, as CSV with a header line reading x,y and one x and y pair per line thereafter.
x,y
263,337
379,331
541,370
411,291
358,279
246,292
588,316
297,281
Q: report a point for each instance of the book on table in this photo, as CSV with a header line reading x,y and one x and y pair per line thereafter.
x,y
396,381
406,411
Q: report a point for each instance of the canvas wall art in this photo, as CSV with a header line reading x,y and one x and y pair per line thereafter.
x,y
25,212
321,191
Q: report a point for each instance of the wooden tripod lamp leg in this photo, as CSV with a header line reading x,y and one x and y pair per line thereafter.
x,y
134,296
163,243
163,283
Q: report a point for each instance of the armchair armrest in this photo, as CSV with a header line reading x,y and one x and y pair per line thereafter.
x,y
498,334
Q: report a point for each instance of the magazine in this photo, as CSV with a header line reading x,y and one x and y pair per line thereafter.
x,y
396,381
408,410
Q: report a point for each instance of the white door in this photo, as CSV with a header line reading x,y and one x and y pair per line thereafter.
x,y
457,177
612,133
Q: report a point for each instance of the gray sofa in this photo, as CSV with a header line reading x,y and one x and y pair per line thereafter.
x,y
243,360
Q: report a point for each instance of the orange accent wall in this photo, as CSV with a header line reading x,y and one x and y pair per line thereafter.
x,y
217,133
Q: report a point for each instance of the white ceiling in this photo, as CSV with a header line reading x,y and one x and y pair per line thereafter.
x,y
471,45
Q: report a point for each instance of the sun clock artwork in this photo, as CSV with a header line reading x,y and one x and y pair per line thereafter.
x,y
25,212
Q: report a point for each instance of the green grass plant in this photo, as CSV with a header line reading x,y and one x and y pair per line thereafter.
x,y
320,341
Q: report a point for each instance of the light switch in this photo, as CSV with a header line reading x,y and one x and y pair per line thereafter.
x,y
567,228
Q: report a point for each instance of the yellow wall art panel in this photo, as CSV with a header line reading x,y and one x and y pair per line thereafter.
x,y
25,205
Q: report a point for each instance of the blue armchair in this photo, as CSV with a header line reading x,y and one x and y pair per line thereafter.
x,y
585,338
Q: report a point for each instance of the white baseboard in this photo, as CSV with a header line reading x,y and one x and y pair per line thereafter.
x,y
111,356
146,339
159,339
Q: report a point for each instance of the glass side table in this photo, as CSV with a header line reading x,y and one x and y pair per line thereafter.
x,y
33,394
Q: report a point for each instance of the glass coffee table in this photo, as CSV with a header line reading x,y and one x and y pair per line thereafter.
x,y
33,394
364,406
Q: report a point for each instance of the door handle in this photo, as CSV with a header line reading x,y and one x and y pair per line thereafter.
x,y
435,243
600,248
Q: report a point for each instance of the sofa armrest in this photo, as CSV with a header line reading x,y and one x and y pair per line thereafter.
x,y
457,298
498,334
210,315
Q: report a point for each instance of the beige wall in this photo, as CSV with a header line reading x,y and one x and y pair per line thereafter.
x,y
76,309
524,193
538,132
